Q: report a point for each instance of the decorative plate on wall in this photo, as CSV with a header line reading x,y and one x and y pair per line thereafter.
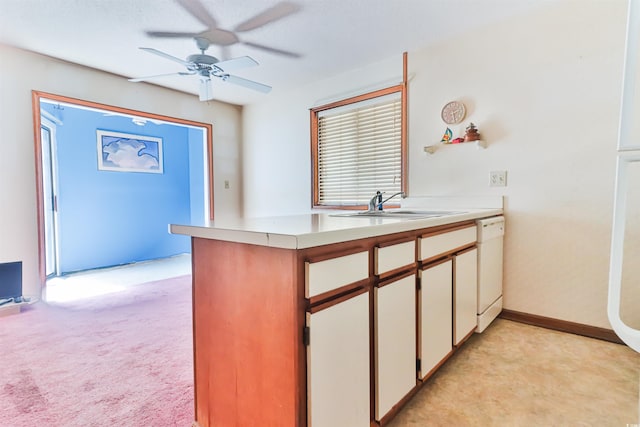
x,y
453,112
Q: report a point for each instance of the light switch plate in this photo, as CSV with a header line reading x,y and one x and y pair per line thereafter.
x,y
498,179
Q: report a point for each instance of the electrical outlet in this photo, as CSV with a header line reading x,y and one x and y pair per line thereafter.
x,y
226,184
498,179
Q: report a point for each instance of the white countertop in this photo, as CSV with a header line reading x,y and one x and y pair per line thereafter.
x,y
316,229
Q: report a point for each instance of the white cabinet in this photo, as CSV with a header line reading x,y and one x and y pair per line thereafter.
x,y
393,257
435,245
465,294
395,332
435,314
459,244
368,322
338,386
321,277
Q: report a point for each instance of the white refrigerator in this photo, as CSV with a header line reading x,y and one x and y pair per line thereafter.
x,y
624,270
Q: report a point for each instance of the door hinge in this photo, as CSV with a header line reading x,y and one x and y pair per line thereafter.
x,y
306,335
418,365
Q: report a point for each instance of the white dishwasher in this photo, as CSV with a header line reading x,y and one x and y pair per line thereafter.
x,y
490,237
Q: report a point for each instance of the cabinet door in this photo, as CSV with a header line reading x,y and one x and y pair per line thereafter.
x,y
465,287
435,303
395,317
338,387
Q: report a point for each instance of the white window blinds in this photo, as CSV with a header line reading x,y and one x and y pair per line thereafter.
x,y
359,151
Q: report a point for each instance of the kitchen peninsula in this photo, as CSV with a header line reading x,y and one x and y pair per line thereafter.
x,y
320,320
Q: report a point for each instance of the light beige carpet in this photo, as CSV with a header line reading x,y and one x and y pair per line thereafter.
x,y
124,359
519,375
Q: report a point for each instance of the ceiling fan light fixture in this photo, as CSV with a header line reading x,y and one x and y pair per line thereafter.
x,y
202,60
206,89
207,66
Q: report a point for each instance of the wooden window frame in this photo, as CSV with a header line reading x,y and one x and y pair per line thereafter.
x,y
400,88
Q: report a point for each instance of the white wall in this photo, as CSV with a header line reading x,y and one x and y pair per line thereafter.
x,y
276,150
22,72
544,91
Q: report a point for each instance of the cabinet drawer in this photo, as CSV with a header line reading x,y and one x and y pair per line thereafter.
x,y
432,246
327,275
391,257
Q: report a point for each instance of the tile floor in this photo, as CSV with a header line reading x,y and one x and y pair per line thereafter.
x,y
519,375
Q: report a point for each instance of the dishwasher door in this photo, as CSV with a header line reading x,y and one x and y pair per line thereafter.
x,y
490,255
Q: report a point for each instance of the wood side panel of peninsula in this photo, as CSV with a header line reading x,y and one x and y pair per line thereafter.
x,y
248,314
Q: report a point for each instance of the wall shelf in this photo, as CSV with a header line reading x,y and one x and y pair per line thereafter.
x,y
431,149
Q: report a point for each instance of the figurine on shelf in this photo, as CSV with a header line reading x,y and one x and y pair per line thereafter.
x,y
446,138
471,134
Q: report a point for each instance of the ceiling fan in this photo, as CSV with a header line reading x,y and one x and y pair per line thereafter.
x,y
207,66
225,38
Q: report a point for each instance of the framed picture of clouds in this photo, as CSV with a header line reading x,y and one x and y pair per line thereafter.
x,y
124,152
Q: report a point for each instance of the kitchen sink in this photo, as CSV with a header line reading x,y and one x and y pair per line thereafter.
x,y
398,213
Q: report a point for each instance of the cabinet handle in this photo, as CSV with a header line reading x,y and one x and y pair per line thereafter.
x,y
306,335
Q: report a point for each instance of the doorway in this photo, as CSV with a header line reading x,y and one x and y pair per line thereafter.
x,y
48,125
51,207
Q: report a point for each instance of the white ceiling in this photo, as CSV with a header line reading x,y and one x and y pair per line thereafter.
x,y
331,36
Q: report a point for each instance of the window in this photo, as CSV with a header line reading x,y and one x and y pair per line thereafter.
x,y
358,148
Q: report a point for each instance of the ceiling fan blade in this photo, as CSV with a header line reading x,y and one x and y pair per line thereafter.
x,y
198,11
273,50
274,13
247,83
236,63
170,34
166,55
140,79
206,89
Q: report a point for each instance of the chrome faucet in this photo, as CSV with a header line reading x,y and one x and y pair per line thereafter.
x,y
376,201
